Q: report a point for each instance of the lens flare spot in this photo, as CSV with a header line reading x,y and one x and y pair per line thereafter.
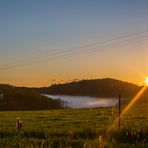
x,y
146,81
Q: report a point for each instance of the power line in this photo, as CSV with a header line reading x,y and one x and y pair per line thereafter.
x,y
62,55
75,49
108,48
120,44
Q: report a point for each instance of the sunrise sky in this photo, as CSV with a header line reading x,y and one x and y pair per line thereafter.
x,y
41,40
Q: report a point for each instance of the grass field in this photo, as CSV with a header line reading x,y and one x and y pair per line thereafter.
x,y
74,128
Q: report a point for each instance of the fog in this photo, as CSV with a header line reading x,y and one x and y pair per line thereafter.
x,y
84,101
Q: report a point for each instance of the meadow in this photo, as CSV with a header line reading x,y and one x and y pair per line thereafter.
x,y
74,128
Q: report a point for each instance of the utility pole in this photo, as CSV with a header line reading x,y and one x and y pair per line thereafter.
x,y
119,110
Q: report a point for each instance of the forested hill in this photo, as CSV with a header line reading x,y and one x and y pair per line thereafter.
x,y
97,87
16,99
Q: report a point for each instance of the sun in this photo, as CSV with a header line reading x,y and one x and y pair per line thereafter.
x,y
146,81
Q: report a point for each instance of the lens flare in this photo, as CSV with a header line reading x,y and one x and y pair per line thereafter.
x,y
146,81
132,102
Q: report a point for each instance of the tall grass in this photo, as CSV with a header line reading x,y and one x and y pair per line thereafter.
x,y
82,128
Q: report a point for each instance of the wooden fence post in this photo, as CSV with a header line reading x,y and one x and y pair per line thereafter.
x,y
119,110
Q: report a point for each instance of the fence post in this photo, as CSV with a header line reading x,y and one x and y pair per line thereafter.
x,y
119,110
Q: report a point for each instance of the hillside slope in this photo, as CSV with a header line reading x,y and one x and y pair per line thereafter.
x,y
25,99
97,87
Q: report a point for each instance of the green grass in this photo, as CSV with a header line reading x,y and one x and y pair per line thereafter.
x,y
74,128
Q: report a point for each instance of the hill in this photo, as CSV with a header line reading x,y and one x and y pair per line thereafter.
x,y
97,87
15,98
21,98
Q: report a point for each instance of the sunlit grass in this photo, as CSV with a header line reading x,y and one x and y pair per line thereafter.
x,y
75,128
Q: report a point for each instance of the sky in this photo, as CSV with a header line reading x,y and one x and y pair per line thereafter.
x,y
53,41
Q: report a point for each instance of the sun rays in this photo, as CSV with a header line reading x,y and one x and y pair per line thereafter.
x,y
127,108
132,102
